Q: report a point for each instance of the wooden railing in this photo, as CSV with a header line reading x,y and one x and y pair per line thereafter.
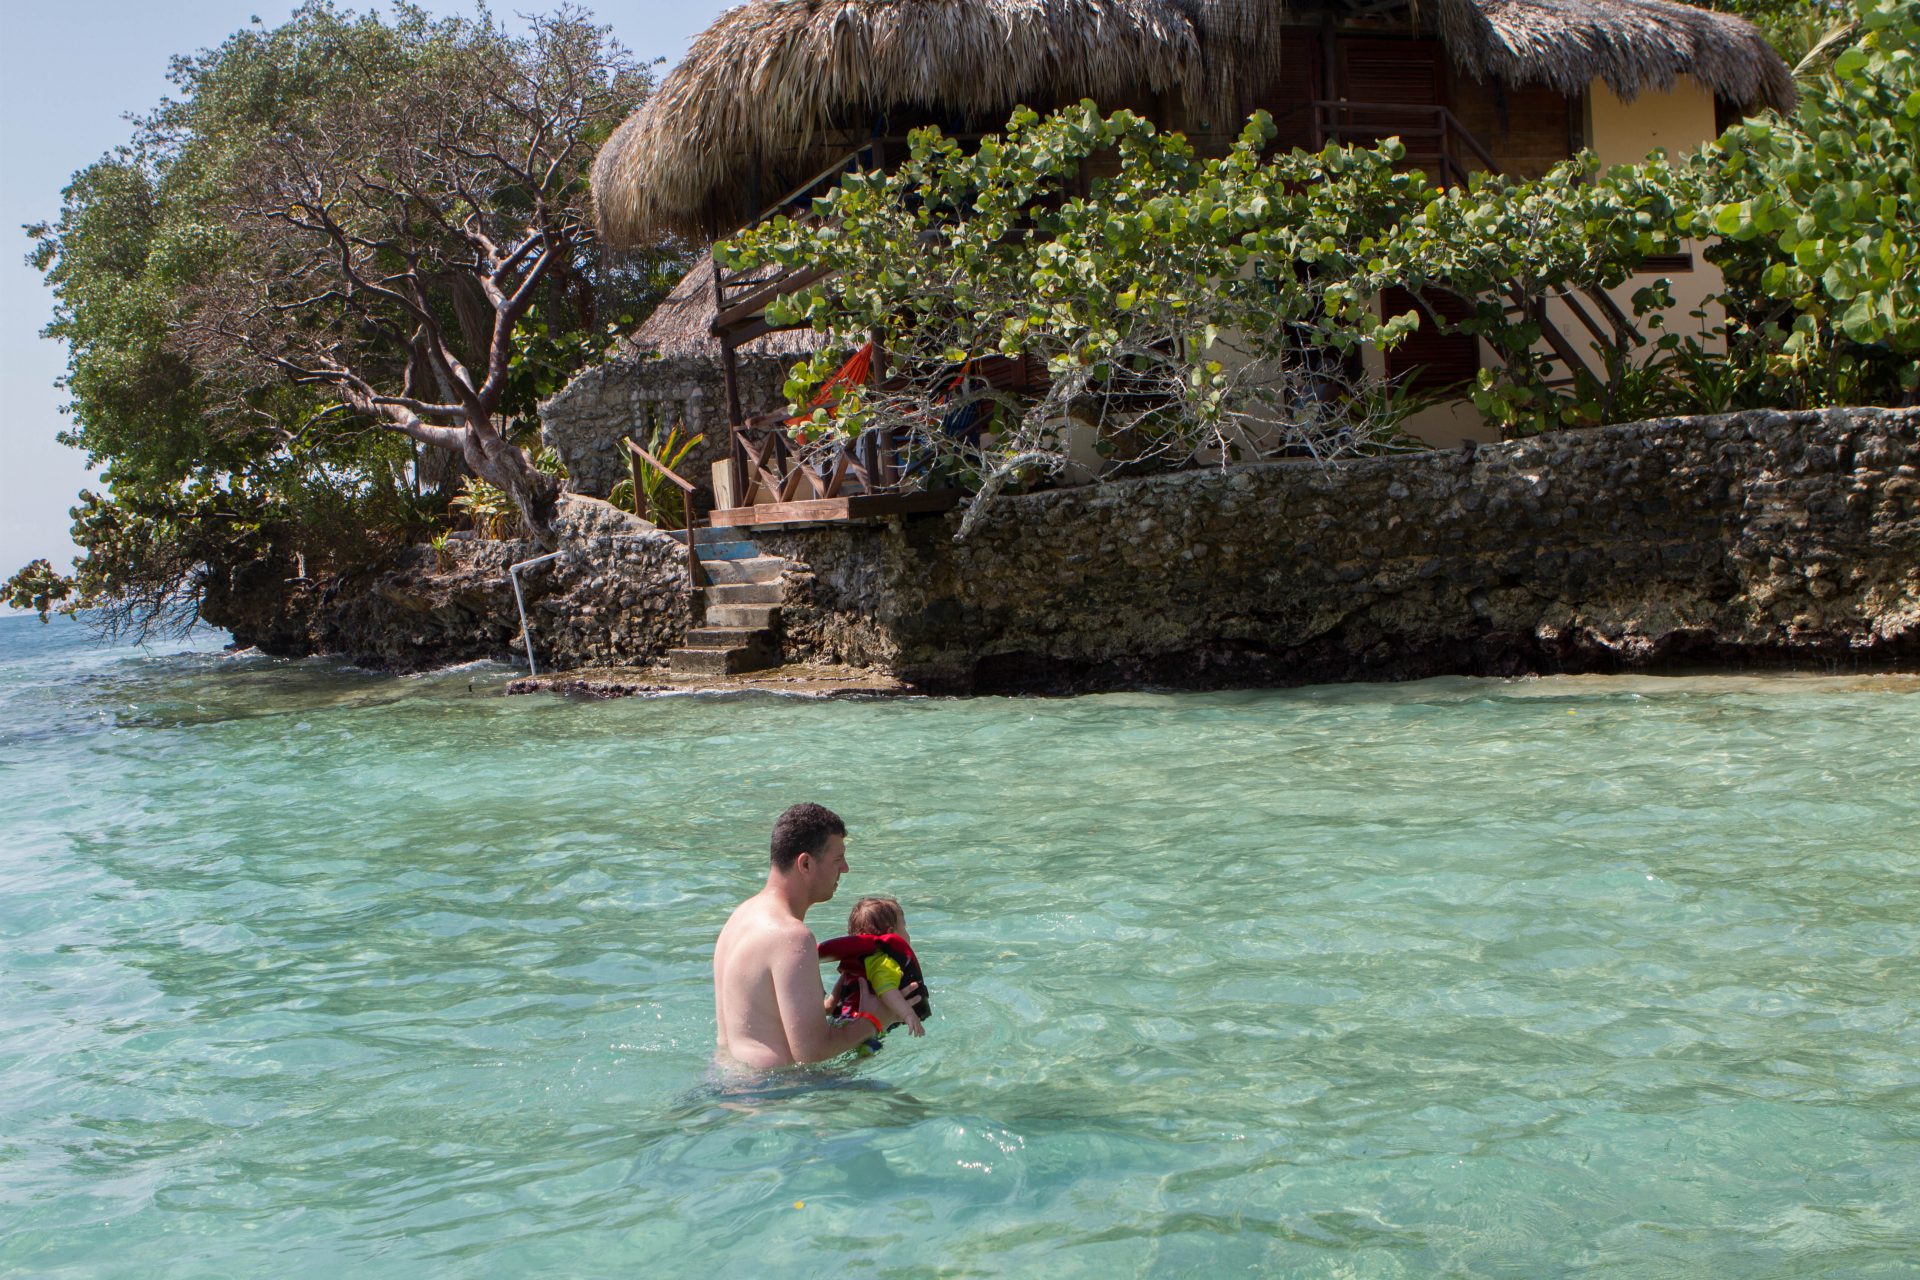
x,y
767,457
636,456
1434,137
741,297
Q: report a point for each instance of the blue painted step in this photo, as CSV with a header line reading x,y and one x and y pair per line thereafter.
x,y
726,550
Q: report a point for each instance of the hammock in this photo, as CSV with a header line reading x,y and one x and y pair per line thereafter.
x,y
854,373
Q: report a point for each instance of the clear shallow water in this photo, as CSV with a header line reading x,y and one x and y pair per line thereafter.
x,y
309,972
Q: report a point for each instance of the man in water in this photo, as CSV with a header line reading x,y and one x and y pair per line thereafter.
x,y
768,1003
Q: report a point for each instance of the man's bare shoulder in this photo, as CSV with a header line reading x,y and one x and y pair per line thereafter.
x,y
759,924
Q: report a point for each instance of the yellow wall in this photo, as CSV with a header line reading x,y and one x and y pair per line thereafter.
x,y
1618,132
1624,132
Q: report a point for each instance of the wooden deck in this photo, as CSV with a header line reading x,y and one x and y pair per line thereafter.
x,y
842,510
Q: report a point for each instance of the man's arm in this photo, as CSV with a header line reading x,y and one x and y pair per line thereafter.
x,y
796,984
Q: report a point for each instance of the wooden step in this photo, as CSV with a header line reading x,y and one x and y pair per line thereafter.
x,y
732,549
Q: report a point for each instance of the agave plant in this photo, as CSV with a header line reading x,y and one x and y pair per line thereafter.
x,y
665,504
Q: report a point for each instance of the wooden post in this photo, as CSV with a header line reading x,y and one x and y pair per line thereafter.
x,y
1330,57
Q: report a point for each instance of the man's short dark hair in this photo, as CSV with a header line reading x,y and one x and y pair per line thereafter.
x,y
803,829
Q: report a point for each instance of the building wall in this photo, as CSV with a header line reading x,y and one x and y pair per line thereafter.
x,y
1676,121
1528,130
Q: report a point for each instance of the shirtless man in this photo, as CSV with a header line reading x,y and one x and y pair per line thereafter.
x,y
768,1003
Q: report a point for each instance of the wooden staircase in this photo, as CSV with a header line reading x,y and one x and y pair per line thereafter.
x,y
742,595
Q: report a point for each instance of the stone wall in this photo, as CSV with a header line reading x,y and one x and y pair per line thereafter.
x,y
1766,538
633,393
619,596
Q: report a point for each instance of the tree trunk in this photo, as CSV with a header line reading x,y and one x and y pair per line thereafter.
x,y
503,463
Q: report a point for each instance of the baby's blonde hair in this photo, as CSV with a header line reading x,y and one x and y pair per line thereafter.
x,y
876,915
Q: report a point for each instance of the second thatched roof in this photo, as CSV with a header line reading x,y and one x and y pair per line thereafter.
x,y
788,86
682,325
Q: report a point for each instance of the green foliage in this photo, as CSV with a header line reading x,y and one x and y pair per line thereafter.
x,y
1157,295
144,232
1184,305
37,587
1794,27
666,503
1818,215
487,506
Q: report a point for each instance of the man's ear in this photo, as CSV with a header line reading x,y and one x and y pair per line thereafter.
x,y
803,863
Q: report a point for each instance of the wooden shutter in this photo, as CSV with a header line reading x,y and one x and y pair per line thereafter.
x,y
1406,72
1434,361
1289,99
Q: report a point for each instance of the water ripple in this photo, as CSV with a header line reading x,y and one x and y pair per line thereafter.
x,y
308,972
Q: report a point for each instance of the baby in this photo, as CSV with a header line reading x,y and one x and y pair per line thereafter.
x,y
876,948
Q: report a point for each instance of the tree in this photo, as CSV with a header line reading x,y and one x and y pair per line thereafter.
x,y
1817,215
1187,306
1196,305
388,252
214,459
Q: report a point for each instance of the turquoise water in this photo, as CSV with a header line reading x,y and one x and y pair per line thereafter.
x,y
310,972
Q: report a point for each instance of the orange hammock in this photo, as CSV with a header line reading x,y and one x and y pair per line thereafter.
x,y
854,373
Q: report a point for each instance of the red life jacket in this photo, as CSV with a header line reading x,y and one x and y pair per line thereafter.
x,y
854,948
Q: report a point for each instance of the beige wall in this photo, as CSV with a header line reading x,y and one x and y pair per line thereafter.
x,y
1623,132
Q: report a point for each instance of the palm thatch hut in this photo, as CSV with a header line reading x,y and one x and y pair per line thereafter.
x,y
776,90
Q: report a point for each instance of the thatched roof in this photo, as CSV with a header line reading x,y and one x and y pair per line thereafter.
x,y
791,84
788,86
1631,45
682,325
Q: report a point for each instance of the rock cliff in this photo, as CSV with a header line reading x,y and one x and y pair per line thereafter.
x,y
1752,538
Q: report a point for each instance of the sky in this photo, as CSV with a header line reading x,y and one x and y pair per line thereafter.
x,y
70,73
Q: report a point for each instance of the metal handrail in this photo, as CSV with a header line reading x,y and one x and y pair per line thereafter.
x,y
519,602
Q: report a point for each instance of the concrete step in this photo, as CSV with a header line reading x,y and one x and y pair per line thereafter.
x,y
757,569
745,593
743,615
716,533
720,662
726,637
739,550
